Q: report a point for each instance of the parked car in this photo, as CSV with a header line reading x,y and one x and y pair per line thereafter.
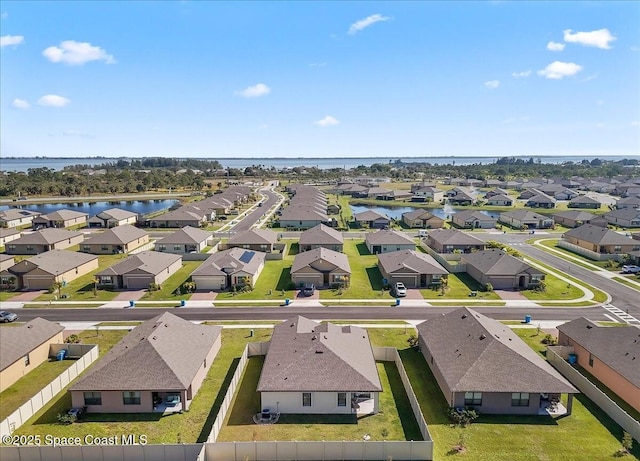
x,y
630,269
309,289
6,316
400,290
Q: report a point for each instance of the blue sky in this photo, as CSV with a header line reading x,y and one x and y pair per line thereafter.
x,y
323,79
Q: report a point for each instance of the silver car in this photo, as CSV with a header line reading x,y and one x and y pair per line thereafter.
x,y
400,290
6,316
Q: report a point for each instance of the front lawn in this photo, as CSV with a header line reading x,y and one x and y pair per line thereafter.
x,y
555,289
459,286
168,288
273,283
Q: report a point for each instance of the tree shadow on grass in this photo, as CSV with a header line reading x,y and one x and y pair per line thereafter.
x,y
294,249
285,279
362,249
375,278
407,419
211,417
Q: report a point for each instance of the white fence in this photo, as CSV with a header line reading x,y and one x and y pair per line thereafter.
x,y
588,253
450,261
555,357
186,452
27,410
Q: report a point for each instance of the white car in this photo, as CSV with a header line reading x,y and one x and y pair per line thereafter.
x,y
400,290
630,269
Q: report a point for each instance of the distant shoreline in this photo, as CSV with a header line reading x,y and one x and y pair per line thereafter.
x,y
406,157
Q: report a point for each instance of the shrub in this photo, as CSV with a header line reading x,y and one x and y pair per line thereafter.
x,y
64,418
488,287
542,286
72,339
462,416
549,340
154,287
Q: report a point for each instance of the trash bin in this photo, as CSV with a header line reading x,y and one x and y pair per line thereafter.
x,y
527,319
287,301
62,353
132,303
183,303
573,359
397,301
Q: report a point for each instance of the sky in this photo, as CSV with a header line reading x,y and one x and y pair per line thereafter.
x,y
319,79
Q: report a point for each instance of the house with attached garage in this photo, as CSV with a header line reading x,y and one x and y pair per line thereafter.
x,y
180,218
44,240
628,202
322,267
423,219
584,201
8,235
453,241
385,241
228,268
321,236
319,368
541,201
120,239
600,240
157,368
186,240
501,270
573,218
113,217
525,219
626,217
480,364
473,219
254,239
499,200
17,217
428,194
140,270
60,219
371,219
415,270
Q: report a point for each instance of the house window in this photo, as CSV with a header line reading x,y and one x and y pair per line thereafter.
x,y
92,398
11,247
162,247
519,399
342,399
86,248
104,247
617,248
131,398
590,360
306,399
473,398
27,362
29,247
177,247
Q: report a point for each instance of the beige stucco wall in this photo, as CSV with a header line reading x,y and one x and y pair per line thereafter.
x,y
321,402
499,403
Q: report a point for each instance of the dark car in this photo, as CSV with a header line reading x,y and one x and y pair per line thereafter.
x,y
6,316
309,289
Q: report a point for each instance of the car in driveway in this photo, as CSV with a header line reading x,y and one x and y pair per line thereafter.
x,y
6,316
400,290
630,269
309,289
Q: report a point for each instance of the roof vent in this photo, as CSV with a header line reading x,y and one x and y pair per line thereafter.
x,y
154,337
464,316
483,336
589,327
29,326
319,352
313,338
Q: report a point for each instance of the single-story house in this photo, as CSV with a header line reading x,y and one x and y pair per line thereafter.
x,y
625,217
473,219
610,354
385,241
628,202
186,240
600,240
8,235
525,219
157,367
322,267
301,218
228,268
453,240
41,271
541,201
499,200
17,217
43,240
572,218
528,193
113,217
254,239
501,270
319,368
119,239
60,219
321,236
371,219
6,261
584,201
140,270
422,219
480,364
179,218
394,195
414,269
495,191
24,347
460,197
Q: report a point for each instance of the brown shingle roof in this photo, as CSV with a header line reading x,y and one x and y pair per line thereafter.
x,y
599,235
321,235
116,235
186,234
497,262
307,258
411,260
16,342
59,261
254,237
230,261
388,237
453,237
150,262
46,237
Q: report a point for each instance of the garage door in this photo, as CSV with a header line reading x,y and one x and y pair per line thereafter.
x,y
209,283
38,283
408,280
137,283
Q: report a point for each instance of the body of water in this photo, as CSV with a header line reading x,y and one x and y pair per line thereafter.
x,y
397,212
23,164
92,208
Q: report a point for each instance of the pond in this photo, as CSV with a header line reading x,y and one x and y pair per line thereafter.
x,y
92,208
397,212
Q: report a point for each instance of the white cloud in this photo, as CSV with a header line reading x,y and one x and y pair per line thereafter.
x,y
366,22
77,53
20,104
327,121
554,46
558,70
523,74
8,40
53,100
492,84
598,38
255,91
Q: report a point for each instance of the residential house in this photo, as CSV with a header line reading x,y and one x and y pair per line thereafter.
x,y
473,219
501,270
254,239
480,364
495,191
16,217
322,267
302,217
321,236
371,219
572,218
429,194
414,269
6,261
44,240
460,196
385,241
319,368
499,200
372,192
525,219
628,202
141,270
60,219
41,271
423,219
186,240
529,193
395,195
119,239
180,217
23,348
8,235
453,241
541,201
584,201
228,268
600,240
626,217
113,217
157,367
609,354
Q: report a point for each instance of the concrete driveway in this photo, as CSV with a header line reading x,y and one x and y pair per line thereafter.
x,y
130,295
27,296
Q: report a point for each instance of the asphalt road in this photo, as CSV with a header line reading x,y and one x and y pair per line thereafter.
x,y
253,217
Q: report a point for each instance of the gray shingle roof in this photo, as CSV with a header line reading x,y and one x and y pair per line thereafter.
x,y
388,237
180,215
308,356
618,347
584,199
186,234
524,215
7,231
16,213
254,237
321,235
412,261
369,215
599,235
116,213
475,353
499,198
163,353
577,215
419,214
453,237
150,262
62,215
116,235
625,213
59,261
497,262
471,215
230,261
46,236
542,198
307,258
16,342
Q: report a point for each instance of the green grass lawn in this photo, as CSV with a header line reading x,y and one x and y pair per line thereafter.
x,y
459,287
7,295
274,279
626,282
169,286
599,296
556,289
570,256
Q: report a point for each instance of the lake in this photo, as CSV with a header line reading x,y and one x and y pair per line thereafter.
x,y
92,208
397,212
